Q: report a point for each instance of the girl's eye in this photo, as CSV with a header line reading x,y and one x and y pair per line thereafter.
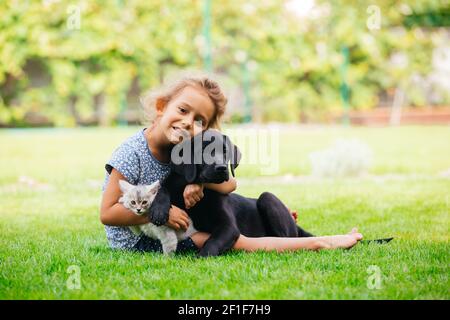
x,y
183,110
133,202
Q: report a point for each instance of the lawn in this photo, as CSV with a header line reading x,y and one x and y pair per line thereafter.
x,y
50,190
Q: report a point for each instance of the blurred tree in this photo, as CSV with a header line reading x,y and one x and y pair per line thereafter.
x,y
73,62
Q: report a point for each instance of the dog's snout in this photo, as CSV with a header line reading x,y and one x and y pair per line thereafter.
x,y
221,168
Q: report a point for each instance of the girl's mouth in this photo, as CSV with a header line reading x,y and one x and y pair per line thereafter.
x,y
177,131
180,132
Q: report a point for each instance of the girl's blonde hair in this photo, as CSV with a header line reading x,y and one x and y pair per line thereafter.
x,y
173,87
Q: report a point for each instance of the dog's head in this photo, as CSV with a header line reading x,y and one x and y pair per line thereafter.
x,y
205,157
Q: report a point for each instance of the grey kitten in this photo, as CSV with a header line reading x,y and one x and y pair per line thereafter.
x,y
139,199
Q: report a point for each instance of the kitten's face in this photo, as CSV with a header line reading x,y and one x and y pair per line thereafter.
x,y
138,198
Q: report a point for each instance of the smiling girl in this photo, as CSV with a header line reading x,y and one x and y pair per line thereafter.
x,y
189,105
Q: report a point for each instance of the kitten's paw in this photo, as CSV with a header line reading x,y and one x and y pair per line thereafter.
x,y
169,248
168,253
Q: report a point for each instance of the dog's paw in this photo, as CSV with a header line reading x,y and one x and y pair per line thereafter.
x,y
208,252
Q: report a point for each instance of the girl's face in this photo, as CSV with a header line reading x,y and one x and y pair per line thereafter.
x,y
190,111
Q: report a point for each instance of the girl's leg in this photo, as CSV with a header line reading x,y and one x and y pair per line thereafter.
x,y
292,244
200,238
287,244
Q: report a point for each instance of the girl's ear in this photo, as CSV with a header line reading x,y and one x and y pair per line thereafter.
x,y
160,106
124,185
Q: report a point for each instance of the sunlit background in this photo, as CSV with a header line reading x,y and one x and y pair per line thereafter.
x,y
353,97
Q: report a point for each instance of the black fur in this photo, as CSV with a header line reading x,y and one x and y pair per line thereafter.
x,y
225,217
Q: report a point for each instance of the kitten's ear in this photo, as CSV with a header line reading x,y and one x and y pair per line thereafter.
x,y
154,187
124,185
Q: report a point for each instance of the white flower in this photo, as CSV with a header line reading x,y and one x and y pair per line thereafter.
x,y
345,158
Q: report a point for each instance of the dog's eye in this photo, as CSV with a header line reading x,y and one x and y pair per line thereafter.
x,y
144,202
133,202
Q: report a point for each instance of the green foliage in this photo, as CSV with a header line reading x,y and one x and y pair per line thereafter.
x,y
85,72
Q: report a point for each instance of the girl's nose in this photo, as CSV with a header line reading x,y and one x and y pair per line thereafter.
x,y
187,120
187,124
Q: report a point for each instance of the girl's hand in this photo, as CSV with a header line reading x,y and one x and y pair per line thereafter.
x,y
178,218
192,194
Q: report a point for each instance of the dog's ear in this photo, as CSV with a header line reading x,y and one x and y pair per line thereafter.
x,y
233,154
189,172
236,159
182,163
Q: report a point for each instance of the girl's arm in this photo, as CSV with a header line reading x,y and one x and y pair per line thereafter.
x,y
113,213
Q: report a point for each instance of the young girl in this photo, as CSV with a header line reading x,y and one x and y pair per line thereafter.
x,y
190,105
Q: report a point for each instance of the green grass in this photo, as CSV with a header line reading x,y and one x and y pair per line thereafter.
x,y
46,230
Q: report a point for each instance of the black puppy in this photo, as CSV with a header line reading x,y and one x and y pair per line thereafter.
x,y
204,159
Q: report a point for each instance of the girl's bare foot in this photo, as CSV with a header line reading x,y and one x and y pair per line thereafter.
x,y
342,241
